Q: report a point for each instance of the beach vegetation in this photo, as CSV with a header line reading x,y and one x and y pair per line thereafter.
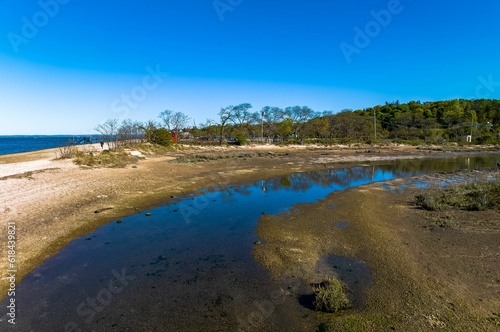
x,y
470,197
106,158
155,134
66,152
330,296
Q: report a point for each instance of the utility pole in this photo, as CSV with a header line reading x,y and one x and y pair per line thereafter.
x,y
262,124
374,125
471,124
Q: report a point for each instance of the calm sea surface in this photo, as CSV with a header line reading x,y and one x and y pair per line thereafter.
x,y
18,144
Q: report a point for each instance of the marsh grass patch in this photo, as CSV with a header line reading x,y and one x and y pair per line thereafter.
x,y
494,319
200,158
330,296
356,322
469,197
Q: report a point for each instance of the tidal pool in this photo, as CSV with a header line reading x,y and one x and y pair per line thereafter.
x,y
188,265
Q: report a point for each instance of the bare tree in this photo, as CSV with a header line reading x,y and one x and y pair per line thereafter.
x,y
241,114
179,121
299,116
209,128
255,118
226,115
272,117
128,131
109,131
174,121
166,117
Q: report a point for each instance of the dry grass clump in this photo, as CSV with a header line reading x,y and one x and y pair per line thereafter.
x,y
66,152
155,149
470,197
330,296
199,158
106,158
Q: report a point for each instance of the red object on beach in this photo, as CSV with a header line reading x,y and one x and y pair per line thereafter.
x,y
174,137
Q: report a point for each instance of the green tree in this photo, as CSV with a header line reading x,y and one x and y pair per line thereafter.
x,y
285,129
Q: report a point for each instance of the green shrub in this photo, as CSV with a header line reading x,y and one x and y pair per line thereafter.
x,y
345,140
329,296
486,138
240,139
161,136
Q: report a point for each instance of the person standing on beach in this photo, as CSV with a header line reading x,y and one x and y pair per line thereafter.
x,y
102,144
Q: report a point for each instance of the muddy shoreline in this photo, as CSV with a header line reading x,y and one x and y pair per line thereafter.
x,y
423,275
57,201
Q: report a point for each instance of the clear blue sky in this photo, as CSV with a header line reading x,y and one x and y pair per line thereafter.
x,y
66,65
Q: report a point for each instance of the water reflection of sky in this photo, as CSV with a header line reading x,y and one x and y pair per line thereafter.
x,y
279,194
197,237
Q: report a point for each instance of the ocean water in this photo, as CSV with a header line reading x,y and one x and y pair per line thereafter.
x,y
18,144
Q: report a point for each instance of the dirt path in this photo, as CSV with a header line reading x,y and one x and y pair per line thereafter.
x,y
423,276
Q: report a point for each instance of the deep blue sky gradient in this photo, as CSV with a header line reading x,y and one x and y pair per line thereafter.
x,y
68,76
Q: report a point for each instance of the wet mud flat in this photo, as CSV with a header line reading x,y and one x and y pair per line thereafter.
x,y
408,272
189,265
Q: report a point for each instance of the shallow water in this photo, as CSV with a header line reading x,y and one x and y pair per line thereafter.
x,y
355,274
188,266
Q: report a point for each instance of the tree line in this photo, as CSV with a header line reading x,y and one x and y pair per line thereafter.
x,y
430,122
